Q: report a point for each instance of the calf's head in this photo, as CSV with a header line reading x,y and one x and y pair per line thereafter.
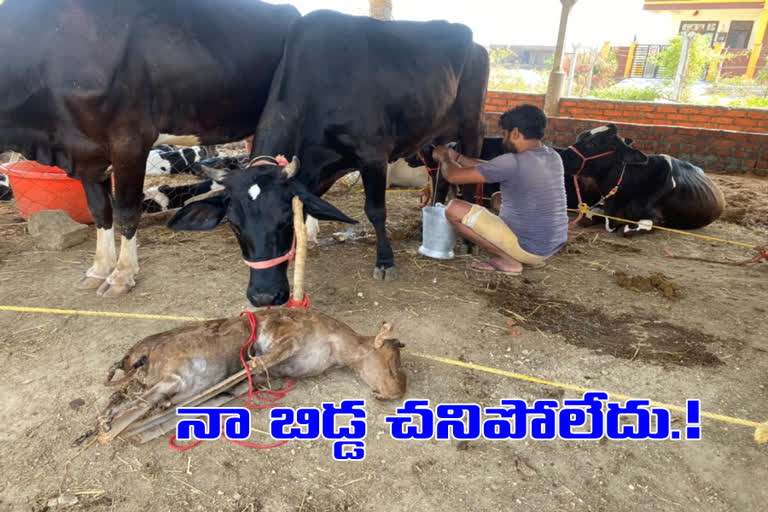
x,y
257,203
602,151
381,367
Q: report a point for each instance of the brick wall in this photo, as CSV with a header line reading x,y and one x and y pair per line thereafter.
x,y
622,54
754,120
712,150
501,101
722,118
736,65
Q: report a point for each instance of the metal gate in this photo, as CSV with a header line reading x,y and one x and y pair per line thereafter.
x,y
643,62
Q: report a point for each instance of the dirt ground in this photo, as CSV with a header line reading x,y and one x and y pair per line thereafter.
x,y
578,324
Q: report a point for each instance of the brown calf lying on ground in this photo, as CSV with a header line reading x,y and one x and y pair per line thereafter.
x,y
177,365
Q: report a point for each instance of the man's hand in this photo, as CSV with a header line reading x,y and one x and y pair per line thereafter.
x,y
443,153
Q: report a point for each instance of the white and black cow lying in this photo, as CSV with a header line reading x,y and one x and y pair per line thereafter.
x,y
5,188
164,160
657,189
167,197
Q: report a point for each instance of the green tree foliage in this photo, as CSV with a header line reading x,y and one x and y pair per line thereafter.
x,y
700,56
602,74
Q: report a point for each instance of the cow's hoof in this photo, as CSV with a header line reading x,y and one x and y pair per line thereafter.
x,y
114,290
475,250
461,249
385,274
89,283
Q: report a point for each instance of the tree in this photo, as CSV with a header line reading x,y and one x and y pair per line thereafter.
x,y
700,56
603,71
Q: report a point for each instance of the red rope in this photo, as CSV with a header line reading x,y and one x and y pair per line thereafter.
x,y
265,395
271,395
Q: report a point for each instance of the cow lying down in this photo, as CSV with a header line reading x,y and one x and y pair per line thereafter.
x,y
174,366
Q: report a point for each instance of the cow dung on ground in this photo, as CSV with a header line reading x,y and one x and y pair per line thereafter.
x,y
656,281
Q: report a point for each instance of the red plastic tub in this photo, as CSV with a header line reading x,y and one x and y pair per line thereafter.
x,y
38,187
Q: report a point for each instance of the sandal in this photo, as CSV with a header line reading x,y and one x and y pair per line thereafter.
x,y
491,266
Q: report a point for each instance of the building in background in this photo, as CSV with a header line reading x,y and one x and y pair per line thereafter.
x,y
526,56
736,26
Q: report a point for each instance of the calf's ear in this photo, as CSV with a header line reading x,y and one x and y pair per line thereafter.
x,y
201,215
320,209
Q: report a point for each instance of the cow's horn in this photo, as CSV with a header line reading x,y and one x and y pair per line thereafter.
x,y
216,175
292,168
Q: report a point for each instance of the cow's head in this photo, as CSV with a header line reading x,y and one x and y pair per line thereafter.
x,y
604,150
257,203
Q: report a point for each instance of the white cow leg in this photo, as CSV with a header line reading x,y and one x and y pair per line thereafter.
x,y
103,262
313,229
122,279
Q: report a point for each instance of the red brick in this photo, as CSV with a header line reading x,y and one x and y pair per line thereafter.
x,y
644,108
689,110
722,152
750,164
754,114
745,122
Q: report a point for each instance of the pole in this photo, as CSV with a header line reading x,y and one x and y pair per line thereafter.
x,y
572,70
592,71
380,9
682,65
557,76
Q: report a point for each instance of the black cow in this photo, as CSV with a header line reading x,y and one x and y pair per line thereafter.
x,y
350,93
221,162
91,85
658,188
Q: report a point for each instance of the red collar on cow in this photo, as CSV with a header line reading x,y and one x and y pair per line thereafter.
x,y
583,206
268,160
261,265
585,159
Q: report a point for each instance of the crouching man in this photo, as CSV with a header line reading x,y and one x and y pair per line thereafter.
x,y
532,224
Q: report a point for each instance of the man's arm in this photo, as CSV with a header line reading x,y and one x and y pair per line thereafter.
x,y
452,167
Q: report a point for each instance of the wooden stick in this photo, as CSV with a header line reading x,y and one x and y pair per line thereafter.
x,y
299,264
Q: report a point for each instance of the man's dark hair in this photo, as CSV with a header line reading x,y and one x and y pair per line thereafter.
x,y
530,120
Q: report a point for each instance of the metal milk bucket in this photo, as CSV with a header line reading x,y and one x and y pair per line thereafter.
x,y
437,235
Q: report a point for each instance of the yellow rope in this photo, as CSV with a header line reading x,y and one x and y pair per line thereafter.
x,y
22,309
583,208
761,429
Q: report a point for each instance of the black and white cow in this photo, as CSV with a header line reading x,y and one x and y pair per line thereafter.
x,y
659,189
97,83
168,197
350,93
6,194
161,162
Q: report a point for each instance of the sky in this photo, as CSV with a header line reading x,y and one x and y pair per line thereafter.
x,y
522,22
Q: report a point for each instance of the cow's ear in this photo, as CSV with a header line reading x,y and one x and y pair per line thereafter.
x,y
201,215
634,156
322,210
628,141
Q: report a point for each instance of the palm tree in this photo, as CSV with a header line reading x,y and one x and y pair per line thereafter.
x,y
380,9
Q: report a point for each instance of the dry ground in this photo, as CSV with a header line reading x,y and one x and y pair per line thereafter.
x,y
707,340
